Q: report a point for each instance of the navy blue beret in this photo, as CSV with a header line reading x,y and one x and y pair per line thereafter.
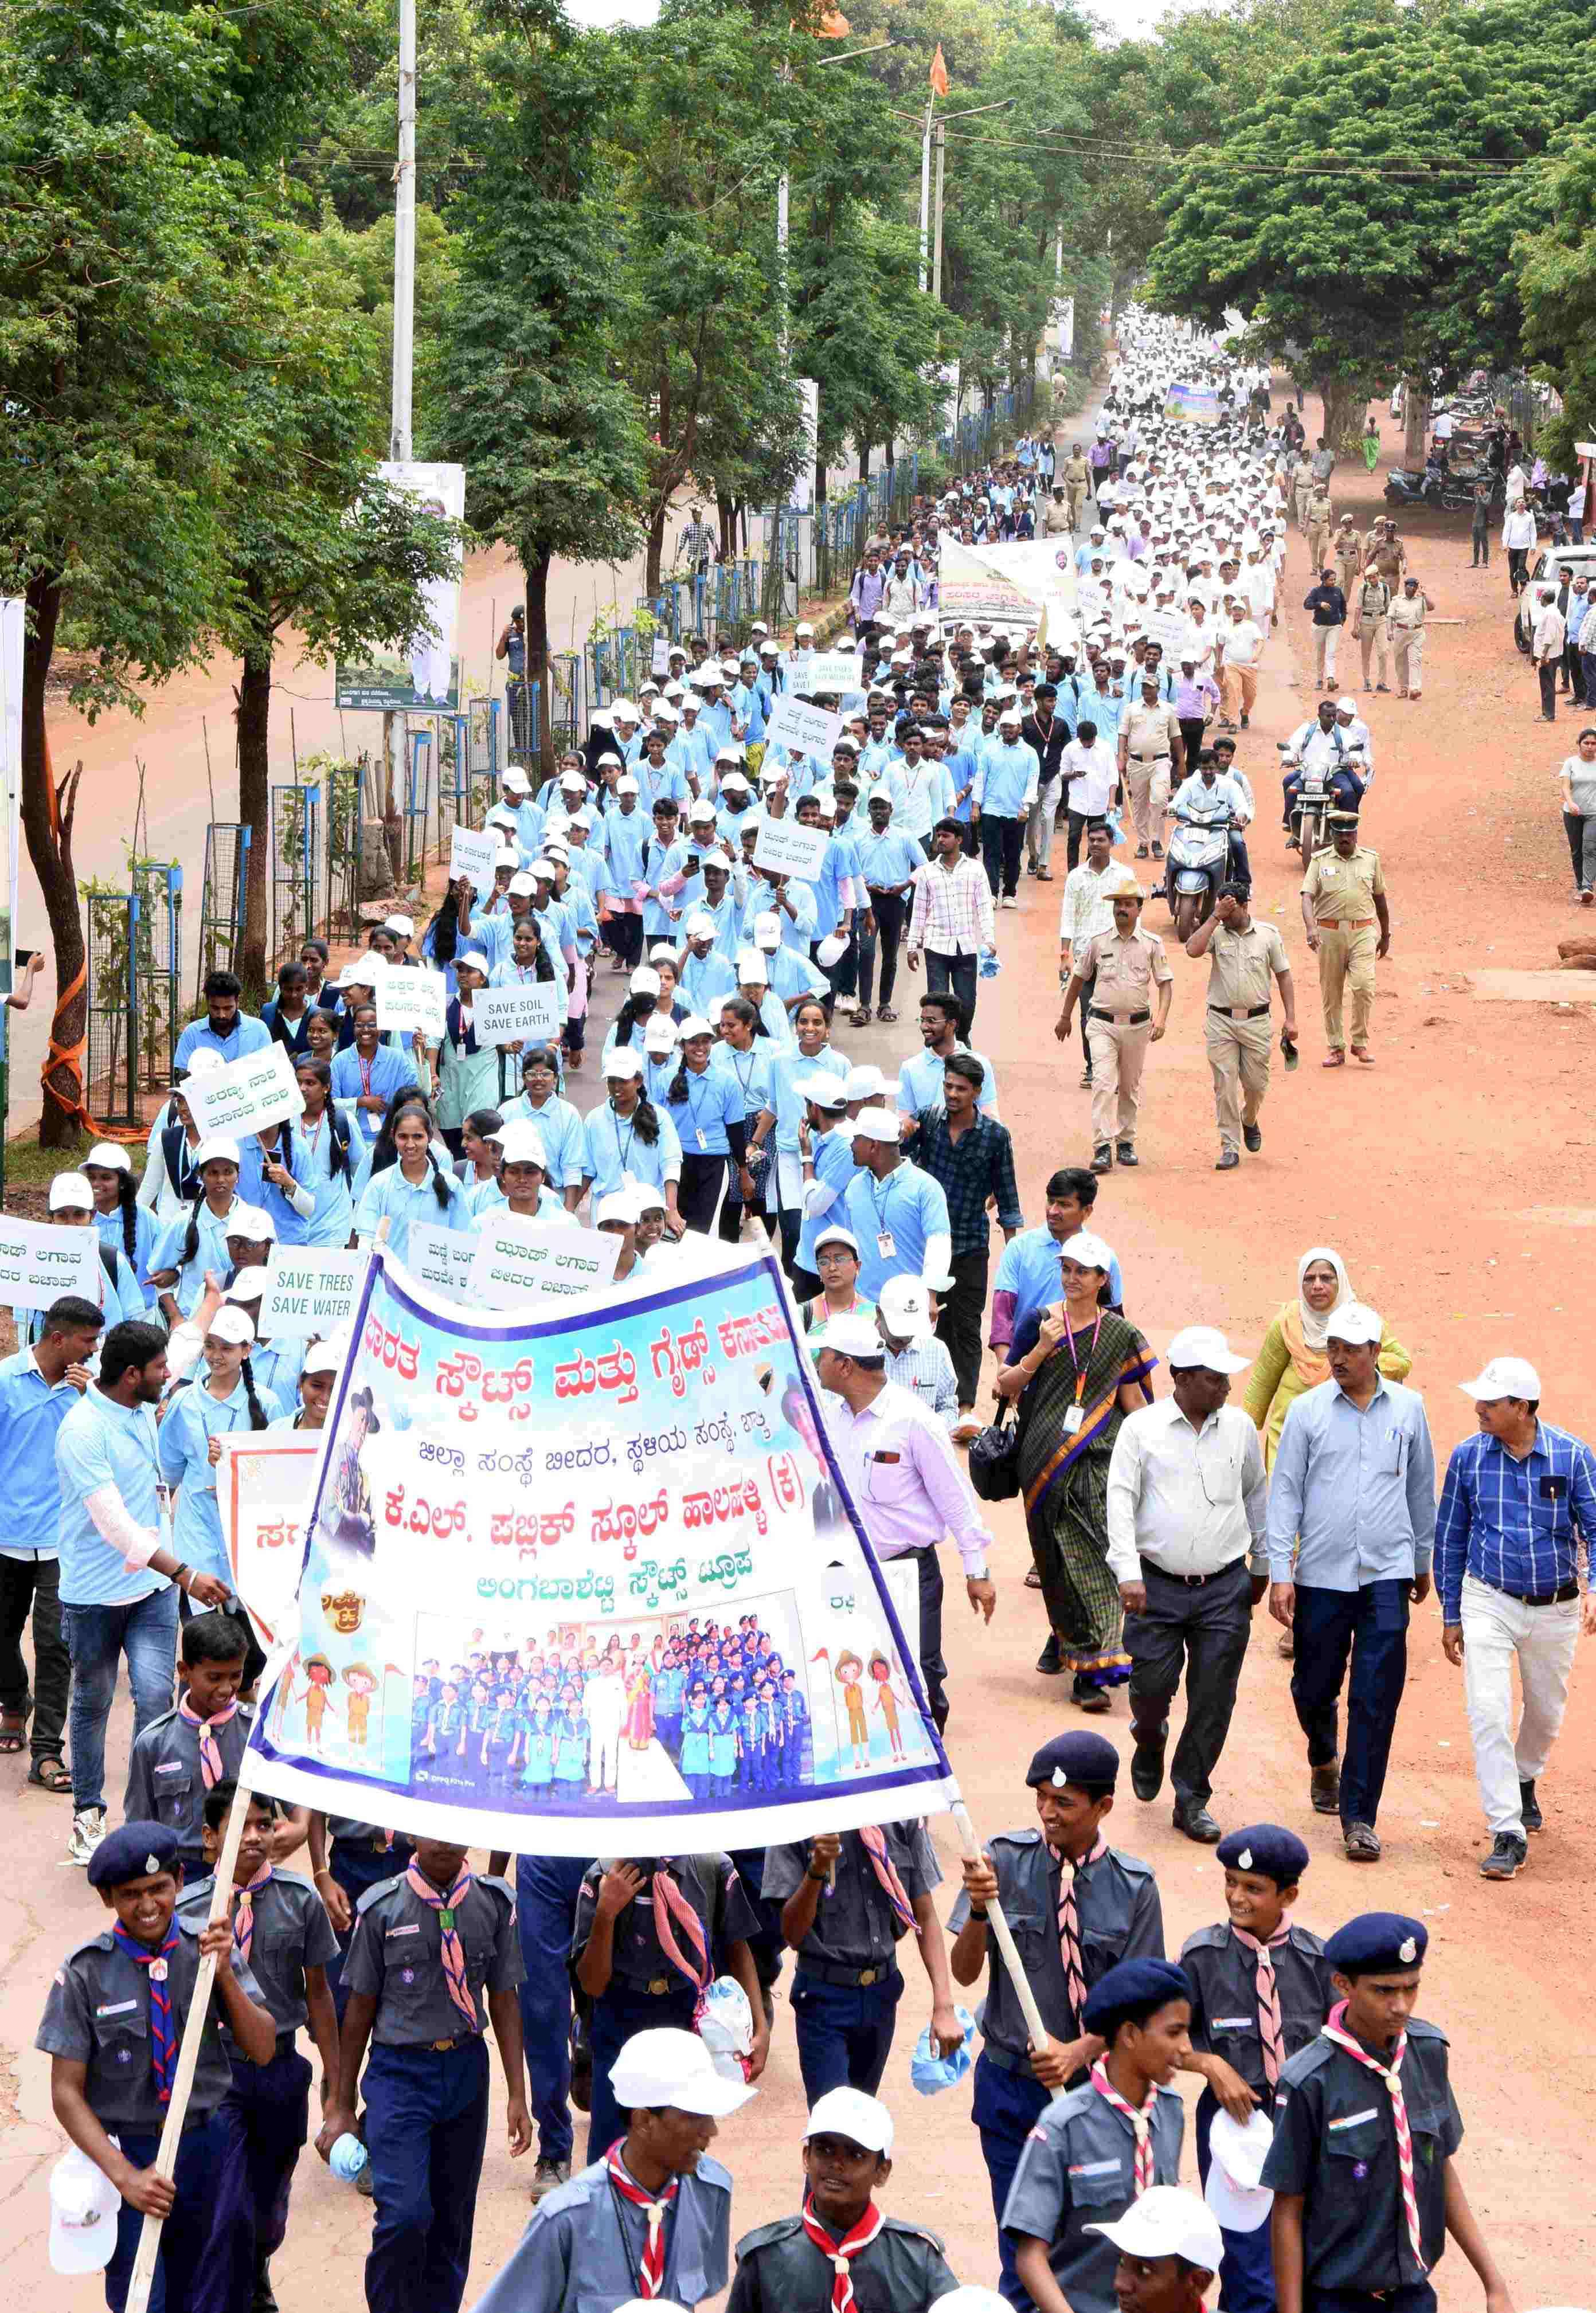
x,y
1267,1847
1134,1984
1377,1939
1090,1761
135,1851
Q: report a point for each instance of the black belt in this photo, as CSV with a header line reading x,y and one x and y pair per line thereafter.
x,y
1189,1581
1125,1019
854,1978
1230,1011
1559,1597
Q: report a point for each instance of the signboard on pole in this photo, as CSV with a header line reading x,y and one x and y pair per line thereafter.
x,y
1198,404
833,674
803,729
420,674
410,997
244,1096
472,852
310,1291
786,848
39,1261
545,1265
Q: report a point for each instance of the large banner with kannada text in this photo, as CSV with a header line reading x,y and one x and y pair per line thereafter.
x,y
592,1584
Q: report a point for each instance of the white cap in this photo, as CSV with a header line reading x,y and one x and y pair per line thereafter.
x,y
232,1323
702,811
906,1304
71,1193
1011,715
84,2205
521,1143
695,1025
877,1124
251,1222
323,1357
515,777
621,711
1204,1346
1166,2221
752,970
1355,1322
217,1151
863,2120
825,1091
699,925
628,786
575,778
474,961
1502,1377
767,931
803,627
837,1235
865,1082
524,884
1234,2192
249,1285
830,949
620,1208
500,814
853,1337
1346,706
666,711
644,981
106,1154
659,1033
663,2067
623,1064
1090,1250
404,926
509,857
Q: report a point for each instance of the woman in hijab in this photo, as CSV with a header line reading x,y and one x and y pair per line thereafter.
x,y
1294,1357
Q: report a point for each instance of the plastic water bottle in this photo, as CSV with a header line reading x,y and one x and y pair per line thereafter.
x,y
346,2158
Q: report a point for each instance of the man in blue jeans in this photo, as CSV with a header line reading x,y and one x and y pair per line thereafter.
x,y
1352,1528
1003,792
119,1578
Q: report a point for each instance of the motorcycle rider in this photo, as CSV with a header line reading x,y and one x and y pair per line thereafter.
x,y
1356,732
1319,743
1208,798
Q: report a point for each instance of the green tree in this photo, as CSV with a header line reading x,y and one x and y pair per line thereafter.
x,y
1555,272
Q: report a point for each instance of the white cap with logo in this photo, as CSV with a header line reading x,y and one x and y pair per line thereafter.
x,y
1166,2221
905,1304
1204,1346
1501,1377
1355,1322
863,2120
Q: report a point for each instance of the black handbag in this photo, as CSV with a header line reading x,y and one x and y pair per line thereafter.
x,y
995,1460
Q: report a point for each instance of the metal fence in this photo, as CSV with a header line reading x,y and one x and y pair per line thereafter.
x,y
421,771
158,963
222,898
972,441
296,818
111,1072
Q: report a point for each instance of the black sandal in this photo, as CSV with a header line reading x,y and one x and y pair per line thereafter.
x,y
13,1729
50,1775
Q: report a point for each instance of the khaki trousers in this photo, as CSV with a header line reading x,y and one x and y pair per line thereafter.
x,y
1118,1054
1301,491
1240,685
1324,653
1346,960
1318,544
1374,639
1239,1056
1147,784
1407,659
1075,496
1347,574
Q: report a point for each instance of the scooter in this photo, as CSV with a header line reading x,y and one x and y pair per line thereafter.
x,y
1433,486
1194,870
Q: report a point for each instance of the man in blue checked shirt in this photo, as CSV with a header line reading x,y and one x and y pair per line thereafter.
x,y
1517,1498
1352,1521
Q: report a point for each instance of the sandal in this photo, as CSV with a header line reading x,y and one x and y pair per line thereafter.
x,y
887,1015
13,1729
862,1017
50,1775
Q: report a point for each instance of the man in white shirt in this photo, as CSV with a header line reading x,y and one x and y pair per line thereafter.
x,y
1086,910
1088,770
1187,1499
1518,540
902,1473
1241,647
1547,639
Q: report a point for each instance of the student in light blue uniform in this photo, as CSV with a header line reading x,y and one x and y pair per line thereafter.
x,y
121,1294
126,1228
659,773
308,1408
753,985
709,889
326,1145
520,1185
705,1104
185,1250
664,864
629,1135
735,806
229,1399
227,1031
792,976
898,1213
415,1191
275,1364
715,714
708,975
625,1031
789,901
558,1124
828,1168
366,1077
285,1195
695,746
811,1053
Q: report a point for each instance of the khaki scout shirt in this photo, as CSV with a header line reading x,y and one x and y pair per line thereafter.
x,y
1343,890
1240,965
1125,970
1150,732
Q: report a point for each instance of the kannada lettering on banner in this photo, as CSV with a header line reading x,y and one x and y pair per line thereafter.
x,y
410,997
264,1490
40,1261
803,729
520,1263
973,586
244,1096
786,848
526,1012
593,1584
442,1257
310,1292
471,853
1198,404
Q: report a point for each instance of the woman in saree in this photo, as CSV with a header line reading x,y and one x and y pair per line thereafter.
x,y
1081,1377
1293,1357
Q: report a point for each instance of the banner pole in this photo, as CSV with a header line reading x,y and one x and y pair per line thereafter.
x,y
172,2130
975,1853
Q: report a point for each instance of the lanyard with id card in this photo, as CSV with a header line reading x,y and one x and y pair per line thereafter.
x,y
1073,1416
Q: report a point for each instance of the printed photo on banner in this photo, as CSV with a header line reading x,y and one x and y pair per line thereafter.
x,y
418,673
607,1560
244,1096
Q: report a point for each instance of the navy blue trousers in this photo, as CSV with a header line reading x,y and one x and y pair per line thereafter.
x,y
615,2016
425,2129
546,1890
266,2116
1007,2107
844,2031
1247,2269
197,2267
1371,1625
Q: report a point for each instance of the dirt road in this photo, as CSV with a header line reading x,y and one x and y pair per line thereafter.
x,y
1453,1177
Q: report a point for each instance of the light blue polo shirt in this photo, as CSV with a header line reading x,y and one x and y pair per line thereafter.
x,y
103,1444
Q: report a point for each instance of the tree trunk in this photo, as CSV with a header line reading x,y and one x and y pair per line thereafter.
x,y
46,813
536,570
656,550
255,809
1342,398
1416,419
864,462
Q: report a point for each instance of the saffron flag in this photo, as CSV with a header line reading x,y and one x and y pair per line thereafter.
x,y
938,74
592,1583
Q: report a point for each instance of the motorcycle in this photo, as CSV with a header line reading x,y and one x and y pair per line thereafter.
x,y
1435,486
1315,801
1194,870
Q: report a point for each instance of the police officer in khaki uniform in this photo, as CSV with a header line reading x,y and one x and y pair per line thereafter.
x,y
1348,549
1127,965
1371,600
1406,623
1301,491
1077,479
1241,957
1344,899
1322,515
1152,752
1382,545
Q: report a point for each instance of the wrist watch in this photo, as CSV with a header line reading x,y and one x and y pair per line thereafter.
x,y
975,1574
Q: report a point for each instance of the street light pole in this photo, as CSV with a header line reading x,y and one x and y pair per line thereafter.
x,y
925,193
1004,105
936,257
404,238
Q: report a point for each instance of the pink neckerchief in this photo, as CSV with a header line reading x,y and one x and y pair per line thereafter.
x,y
1332,2029
1271,2030
211,1770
